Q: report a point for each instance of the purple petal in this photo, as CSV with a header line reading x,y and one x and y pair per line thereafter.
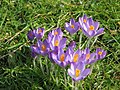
x,y
81,66
100,31
85,72
72,21
96,25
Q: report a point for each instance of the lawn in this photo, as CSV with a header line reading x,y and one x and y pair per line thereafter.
x,y
20,71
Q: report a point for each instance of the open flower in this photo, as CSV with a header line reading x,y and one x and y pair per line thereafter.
x,y
44,47
39,33
100,54
61,58
90,27
72,27
78,71
57,42
31,34
56,32
88,57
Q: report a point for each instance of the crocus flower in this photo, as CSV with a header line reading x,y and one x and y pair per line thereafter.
x,y
56,32
83,20
44,47
31,34
76,56
57,42
72,27
78,71
90,28
39,33
88,57
53,54
34,50
100,54
61,58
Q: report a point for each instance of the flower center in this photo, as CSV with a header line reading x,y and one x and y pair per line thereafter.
x,y
87,56
100,53
55,33
84,20
56,43
72,26
77,72
62,57
75,59
43,47
39,31
31,34
91,27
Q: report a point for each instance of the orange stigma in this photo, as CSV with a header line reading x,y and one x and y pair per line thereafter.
x,y
100,53
62,57
88,56
56,43
75,59
84,20
43,47
39,31
55,33
77,72
72,26
91,27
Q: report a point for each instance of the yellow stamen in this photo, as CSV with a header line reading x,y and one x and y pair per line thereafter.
x,y
75,59
100,53
62,57
72,26
39,31
91,27
88,56
55,33
43,47
56,43
84,20
77,72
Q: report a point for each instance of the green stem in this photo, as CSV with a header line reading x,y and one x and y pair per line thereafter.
x,y
34,64
88,43
65,77
46,65
80,40
91,68
94,41
73,84
41,66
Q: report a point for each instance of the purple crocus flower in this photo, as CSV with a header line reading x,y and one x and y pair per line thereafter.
x,y
57,42
61,58
72,27
39,33
100,54
34,50
88,57
56,32
83,20
43,47
78,71
90,28
76,56
31,34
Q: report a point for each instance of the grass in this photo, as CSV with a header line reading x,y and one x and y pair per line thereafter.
x,y
18,70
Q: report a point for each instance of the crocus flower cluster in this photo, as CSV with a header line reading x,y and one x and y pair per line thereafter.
x,y
54,46
89,27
